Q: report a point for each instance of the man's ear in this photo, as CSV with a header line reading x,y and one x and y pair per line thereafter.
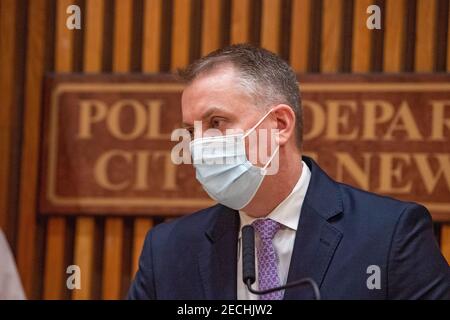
x,y
285,118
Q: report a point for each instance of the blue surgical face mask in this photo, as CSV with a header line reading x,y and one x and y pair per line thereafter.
x,y
223,169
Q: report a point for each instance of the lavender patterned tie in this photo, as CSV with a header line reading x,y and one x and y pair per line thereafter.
x,y
267,258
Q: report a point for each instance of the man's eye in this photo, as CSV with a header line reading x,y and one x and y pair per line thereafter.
x,y
191,132
215,123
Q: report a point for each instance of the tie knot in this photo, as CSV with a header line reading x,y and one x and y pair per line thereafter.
x,y
266,228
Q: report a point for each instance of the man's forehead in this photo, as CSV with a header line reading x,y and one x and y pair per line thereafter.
x,y
215,79
213,91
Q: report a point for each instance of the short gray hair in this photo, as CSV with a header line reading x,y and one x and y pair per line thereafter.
x,y
269,78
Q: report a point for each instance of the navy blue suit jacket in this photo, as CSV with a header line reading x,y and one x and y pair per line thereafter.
x,y
342,232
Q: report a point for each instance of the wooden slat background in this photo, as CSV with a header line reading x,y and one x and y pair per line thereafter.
x,y
326,36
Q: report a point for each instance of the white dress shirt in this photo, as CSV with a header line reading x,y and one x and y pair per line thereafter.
x,y
287,213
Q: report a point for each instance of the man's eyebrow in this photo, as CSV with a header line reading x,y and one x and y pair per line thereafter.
x,y
210,111
205,115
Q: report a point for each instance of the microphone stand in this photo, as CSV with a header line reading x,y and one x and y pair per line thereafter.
x,y
248,267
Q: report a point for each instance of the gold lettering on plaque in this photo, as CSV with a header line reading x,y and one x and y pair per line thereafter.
x,y
429,178
101,169
439,121
318,119
360,174
404,121
375,112
91,111
338,120
113,119
392,168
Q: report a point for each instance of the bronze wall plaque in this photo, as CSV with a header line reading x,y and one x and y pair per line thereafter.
x,y
107,141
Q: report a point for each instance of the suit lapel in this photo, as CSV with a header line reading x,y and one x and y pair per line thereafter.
x,y
218,258
316,239
315,243
314,247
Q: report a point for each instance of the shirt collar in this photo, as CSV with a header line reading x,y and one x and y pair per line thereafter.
x,y
287,213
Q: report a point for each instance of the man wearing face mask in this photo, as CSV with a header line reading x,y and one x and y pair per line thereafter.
x,y
306,225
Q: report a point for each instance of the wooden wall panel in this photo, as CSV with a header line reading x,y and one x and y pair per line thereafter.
x,y
425,58
240,21
8,110
84,256
85,231
38,13
181,34
300,35
54,286
151,48
93,38
54,259
445,229
445,241
212,25
362,39
331,46
167,35
394,35
270,25
448,42
112,259
12,82
151,63
425,27
141,227
114,227
123,10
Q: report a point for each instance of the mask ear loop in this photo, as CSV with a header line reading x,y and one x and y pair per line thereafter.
x,y
257,124
263,169
271,157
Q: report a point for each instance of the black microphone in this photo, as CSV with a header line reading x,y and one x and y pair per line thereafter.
x,y
248,267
